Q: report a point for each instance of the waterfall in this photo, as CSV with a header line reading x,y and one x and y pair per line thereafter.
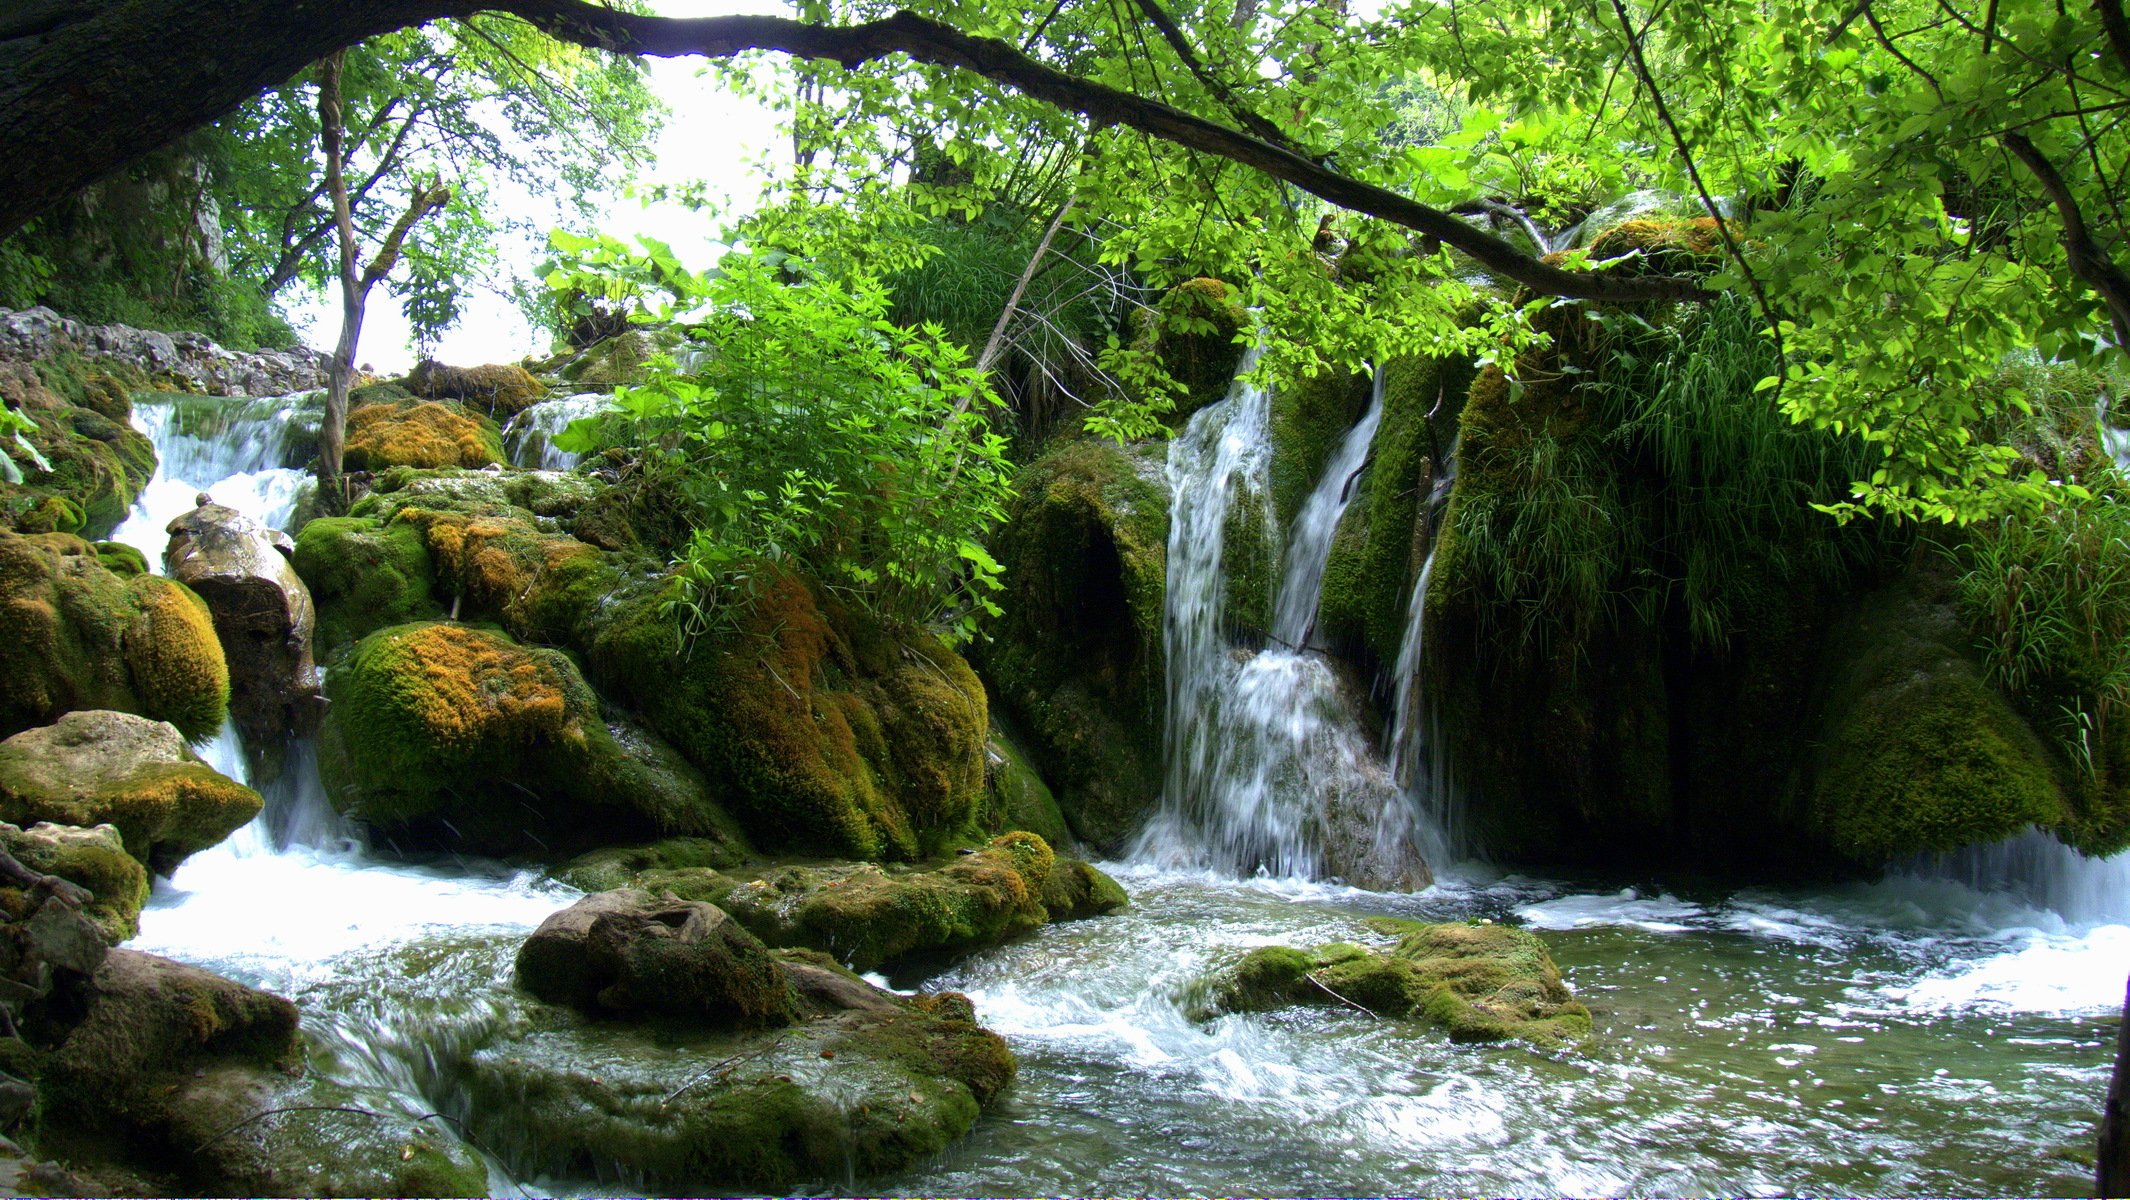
x,y
529,436
1413,742
1269,771
2041,871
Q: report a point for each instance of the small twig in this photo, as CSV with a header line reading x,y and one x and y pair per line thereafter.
x,y
1311,977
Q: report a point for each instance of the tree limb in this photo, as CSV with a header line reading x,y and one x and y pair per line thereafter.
x,y
2117,27
2084,256
1256,125
996,342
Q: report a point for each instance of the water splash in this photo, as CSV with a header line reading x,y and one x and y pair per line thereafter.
x,y
528,439
1269,771
246,453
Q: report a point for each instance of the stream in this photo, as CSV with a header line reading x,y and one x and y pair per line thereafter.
x,y
1947,1030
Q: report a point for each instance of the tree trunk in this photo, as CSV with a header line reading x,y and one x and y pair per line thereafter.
x,y
2114,1174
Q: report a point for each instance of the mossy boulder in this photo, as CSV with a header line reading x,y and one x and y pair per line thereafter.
x,y
612,362
827,731
611,867
76,635
1479,981
426,433
501,390
868,917
1310,416
626,953
1015,796
94,858
1192,332
95,768
459,736
93,463
1918,753
364,575
864,1082
1076,660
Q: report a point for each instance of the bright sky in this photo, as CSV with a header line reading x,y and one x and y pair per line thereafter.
x,y
711,135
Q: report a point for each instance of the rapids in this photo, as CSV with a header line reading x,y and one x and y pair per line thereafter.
x,y
1946,1030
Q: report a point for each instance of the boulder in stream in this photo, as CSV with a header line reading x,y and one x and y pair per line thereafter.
x,y
1480,981
420,433
627,952
77,634
94,859
262,616
502,390
99,767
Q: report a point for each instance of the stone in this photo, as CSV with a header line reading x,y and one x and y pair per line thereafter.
x,y
100,767
625,952
262,615
64,938
187,358
114,884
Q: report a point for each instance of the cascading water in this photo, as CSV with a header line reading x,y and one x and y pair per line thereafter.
x,y
1268,769
528,438
1412,741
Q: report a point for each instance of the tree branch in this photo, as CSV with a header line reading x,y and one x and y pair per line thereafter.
x,y
2117,28
2085,257
1256,125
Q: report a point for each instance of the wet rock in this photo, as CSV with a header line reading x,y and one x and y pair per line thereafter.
x,y
80,465
98,767
625,952
865,1082
871,917
262,616
1015,795
17,1097
1482,982
61,936
94,859
75,634
187,359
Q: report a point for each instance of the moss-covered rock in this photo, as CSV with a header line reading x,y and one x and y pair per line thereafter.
x,y
866,1082
1015,796
501,390
95,768
75,635
95,858
364,575
459,736
1192,332
1482,982
1918,753
1310,417
93,464
611,867
428,433
1076,889
626,953
611,362
1076,661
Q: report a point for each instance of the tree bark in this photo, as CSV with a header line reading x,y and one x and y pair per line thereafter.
x,y
87,86
2113,1177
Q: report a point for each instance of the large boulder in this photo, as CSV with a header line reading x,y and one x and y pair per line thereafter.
x,y
97,767
75,634
262,616
457,736
1480,981
1076,659
81,466
869,917
502,390
625,953
94,859
861,1082
420,433
193,1082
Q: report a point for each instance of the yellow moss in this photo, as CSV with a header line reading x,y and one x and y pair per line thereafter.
x,y
1666,245
469,682
174,657
503,389
427,434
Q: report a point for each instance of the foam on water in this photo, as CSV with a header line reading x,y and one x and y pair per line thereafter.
x,y
528,437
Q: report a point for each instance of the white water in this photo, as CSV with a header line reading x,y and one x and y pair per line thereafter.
x,y
1269,772
528,437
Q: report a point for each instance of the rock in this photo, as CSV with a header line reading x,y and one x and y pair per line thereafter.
x,y
262,616
1192,332
429,433
870,918
96,767
1015,795
1482,982
188,359
1076,661
868,1082
76,635
461,738
59,935
626,953
17,1097
81,468
95,859
502,390
364,575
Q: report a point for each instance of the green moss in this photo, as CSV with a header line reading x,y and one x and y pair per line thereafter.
x,y
1250,562
501,390
431,433
74,635
1076,660
95,858
121,559
1015,796
1076,890
1919,753
1480,982
1310,416
364,575
622,866
616,361
460,736
1192,333
94,464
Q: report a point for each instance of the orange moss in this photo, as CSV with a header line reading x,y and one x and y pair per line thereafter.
x,y
426,434
459,688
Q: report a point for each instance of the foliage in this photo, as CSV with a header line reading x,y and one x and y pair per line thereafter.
x,y
796,424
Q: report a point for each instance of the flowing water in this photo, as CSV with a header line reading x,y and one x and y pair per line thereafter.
x,y
528,437
1945,1031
